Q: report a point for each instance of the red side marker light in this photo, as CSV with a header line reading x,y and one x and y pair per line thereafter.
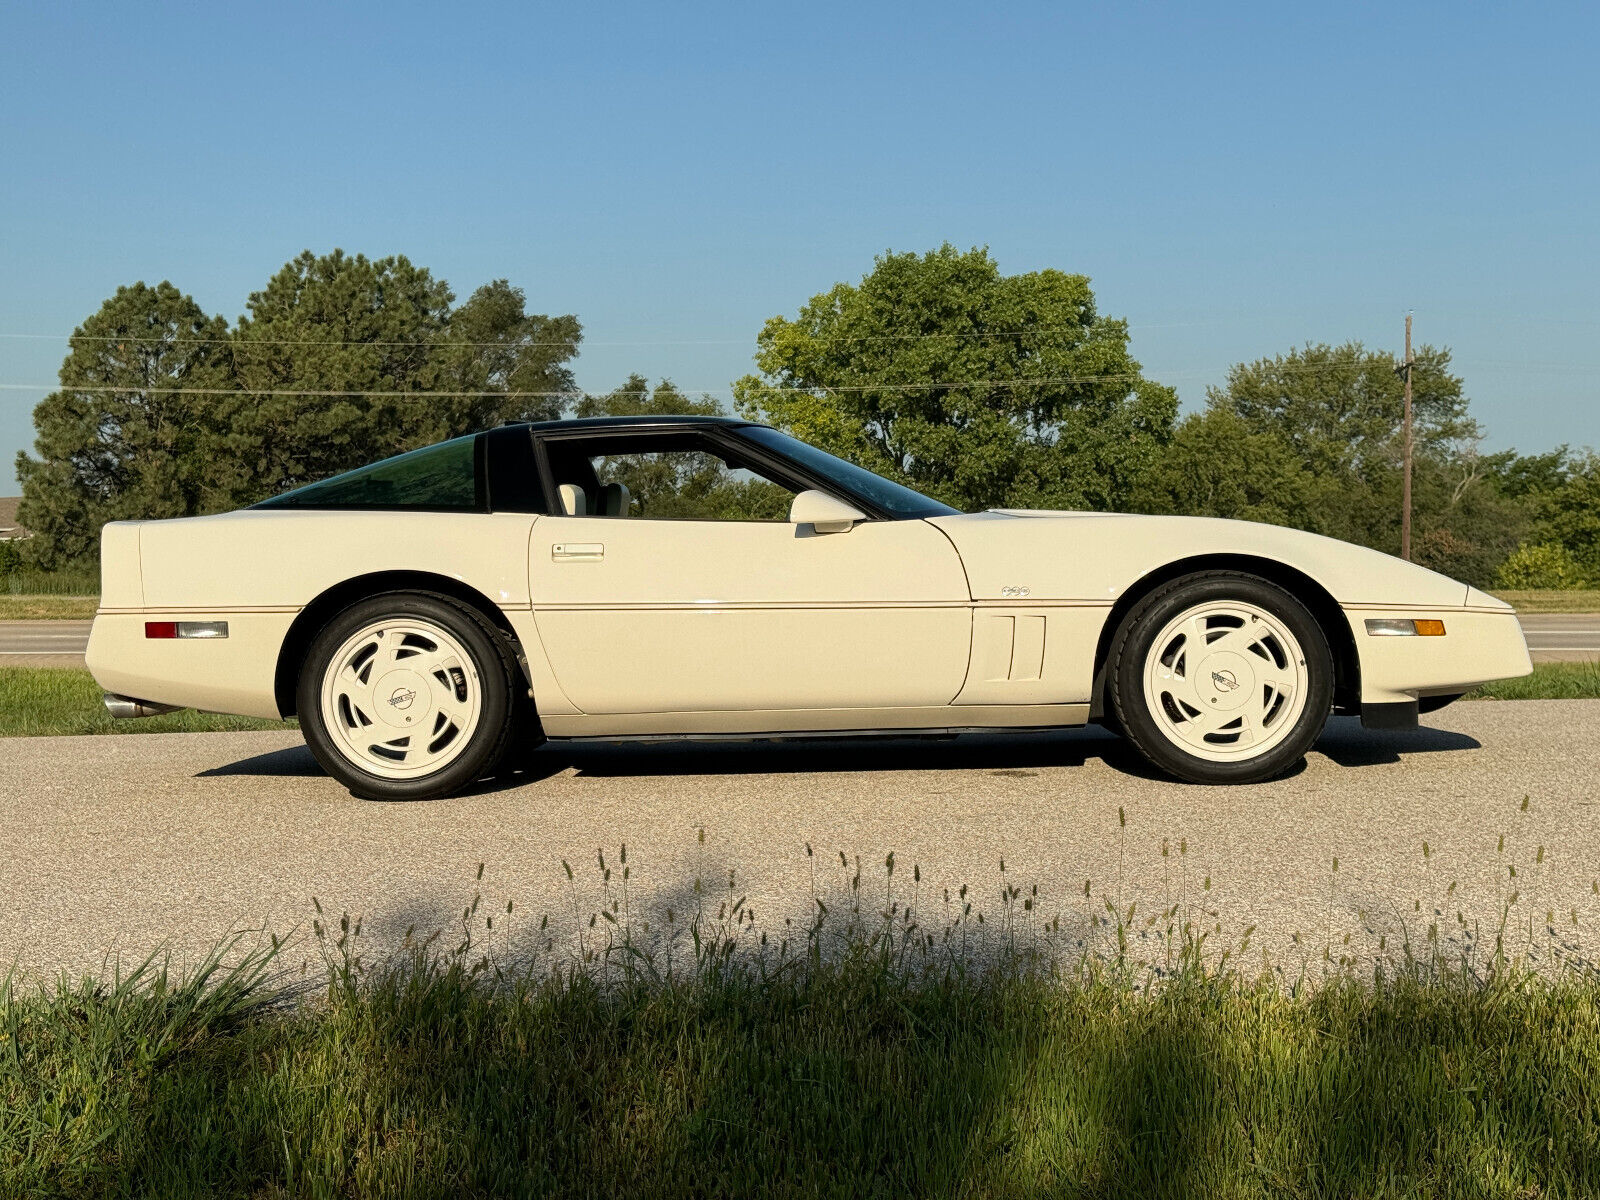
x,y
161,629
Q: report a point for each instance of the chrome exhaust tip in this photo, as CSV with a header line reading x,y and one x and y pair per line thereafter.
x,y
125,707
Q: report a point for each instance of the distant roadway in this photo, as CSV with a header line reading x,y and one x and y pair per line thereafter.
x,y
1552,637
1562,637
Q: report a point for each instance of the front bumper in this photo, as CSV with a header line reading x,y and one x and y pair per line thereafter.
x,y
1478,646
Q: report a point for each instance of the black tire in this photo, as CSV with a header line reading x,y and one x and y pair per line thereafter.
x,y
497,670
1130,650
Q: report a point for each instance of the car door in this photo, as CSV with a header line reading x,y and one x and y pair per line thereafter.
x,y
646,613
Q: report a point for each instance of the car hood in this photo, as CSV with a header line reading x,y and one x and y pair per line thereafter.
x,y
1095,557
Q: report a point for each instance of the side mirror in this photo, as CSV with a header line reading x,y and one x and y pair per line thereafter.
x,y
823,512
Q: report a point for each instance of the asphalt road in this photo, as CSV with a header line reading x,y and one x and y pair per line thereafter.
x,y
1562,637
118,843
43,643
1552,637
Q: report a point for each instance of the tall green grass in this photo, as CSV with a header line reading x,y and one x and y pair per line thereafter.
x,y
1577,600
78,581
1549,681
41,701
862,1055
845,1080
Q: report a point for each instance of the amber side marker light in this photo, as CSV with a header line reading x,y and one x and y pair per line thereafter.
x,y
1396,627
185,629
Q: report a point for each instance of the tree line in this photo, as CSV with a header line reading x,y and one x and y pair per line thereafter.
x,y
982,389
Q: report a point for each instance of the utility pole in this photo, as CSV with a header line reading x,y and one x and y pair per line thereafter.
x,y
1405,476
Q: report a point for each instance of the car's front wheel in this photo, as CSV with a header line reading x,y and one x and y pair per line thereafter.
x,y
406,696
1221,678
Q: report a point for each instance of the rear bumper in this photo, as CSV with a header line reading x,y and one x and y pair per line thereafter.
x,y
1477,647
236,674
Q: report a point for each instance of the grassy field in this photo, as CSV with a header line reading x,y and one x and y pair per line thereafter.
x,y
37,701
1549,681
47,608
843,1077
1585,600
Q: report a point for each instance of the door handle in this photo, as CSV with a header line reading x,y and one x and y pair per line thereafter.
x,y
577,552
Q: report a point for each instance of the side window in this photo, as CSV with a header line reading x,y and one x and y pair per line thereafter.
x,y
434,478
689,485
662,477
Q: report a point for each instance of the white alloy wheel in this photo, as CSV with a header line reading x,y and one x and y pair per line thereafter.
x,y
401,698
1225,681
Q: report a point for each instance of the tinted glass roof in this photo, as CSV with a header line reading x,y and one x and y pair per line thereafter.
x,y
625,422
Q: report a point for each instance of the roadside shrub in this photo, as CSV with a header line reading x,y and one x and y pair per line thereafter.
x,y
1543,565
1467,559
10,558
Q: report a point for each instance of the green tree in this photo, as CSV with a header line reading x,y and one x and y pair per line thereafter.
x,y
1337,411
634,398
516,360
1341,407
978,388
1522,475
124,436
1218,465
342,360
1567,512
683,483
1463,524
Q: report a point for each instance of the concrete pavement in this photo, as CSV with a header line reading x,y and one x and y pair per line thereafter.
x,y
118,843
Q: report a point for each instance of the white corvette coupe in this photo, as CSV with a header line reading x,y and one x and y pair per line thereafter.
x,y
432,617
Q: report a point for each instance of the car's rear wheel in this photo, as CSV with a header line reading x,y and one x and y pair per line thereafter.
x,y
1221,678
407,696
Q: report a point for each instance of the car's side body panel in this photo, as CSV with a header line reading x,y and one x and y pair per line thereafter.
x,y
1094,557
1090,560
750,722
1032,653
286,558
660,616
257,570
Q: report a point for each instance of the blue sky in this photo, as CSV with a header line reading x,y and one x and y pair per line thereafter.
x,y
1236,181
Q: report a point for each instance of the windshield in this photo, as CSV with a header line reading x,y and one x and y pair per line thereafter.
x,y
894,499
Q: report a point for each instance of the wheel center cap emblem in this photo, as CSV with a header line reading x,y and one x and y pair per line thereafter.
x,y
402,697
1225,680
